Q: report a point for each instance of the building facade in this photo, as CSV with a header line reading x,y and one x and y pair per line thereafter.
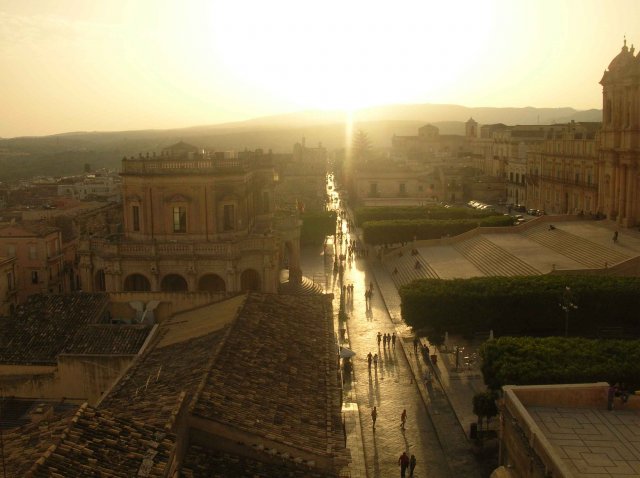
x,y
619,177
195,221
39,258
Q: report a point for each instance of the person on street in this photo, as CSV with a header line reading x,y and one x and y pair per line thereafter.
x,y
379,339
374,416
403,461
375,362
393,340
403,418
412,465
369,360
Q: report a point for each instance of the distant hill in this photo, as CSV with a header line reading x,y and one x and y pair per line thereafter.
x,y
65,154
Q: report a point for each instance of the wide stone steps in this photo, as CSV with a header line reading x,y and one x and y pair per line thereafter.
x,y
403,269
581,250
493,260
306,287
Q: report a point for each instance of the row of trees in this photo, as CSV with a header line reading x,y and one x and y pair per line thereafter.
x,y
384,232
530,305
435,211
531,361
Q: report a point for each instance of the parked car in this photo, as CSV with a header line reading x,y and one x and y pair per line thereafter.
x,y
519,208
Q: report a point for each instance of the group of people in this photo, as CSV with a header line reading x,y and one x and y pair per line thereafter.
x,y
372,359
387,340
407,463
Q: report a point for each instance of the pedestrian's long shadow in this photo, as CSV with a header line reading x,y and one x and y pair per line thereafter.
x,y
376,458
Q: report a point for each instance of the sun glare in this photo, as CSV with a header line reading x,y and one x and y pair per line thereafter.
x,y
348,54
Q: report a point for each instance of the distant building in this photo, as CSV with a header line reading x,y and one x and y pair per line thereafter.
x,y
8,286
562,172
195,221
39,256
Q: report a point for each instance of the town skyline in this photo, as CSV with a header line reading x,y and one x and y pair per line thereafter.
x,y
86,66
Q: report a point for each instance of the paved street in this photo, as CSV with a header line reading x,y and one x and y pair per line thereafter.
x,y
432,433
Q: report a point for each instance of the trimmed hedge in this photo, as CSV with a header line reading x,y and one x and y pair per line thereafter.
x,y
551,360
384,232
316,226
366,214
521,305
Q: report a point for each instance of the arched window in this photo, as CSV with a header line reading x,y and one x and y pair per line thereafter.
x,y
137,283
173,283
211,283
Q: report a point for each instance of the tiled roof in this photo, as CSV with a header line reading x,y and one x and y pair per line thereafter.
x,y
200,462
46,325
108,339
275,375
151,390
24,445
97,443
167,375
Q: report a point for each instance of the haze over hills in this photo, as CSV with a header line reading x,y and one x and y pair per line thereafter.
x,y
66,153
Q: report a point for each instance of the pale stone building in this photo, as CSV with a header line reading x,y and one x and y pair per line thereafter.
x,y
195,221
562,173
619,188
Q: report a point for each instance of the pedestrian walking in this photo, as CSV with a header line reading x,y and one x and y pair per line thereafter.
x,y
412,465
369,360
374,416
379,339
403,461
416,341
384,341
375,362
393,340
403,418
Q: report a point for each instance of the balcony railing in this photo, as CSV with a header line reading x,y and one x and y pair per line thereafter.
x,y
168,249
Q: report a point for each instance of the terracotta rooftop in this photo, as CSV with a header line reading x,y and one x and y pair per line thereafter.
x,y
108,339
169,372
275,375
46,325
199,462
98,443
23,446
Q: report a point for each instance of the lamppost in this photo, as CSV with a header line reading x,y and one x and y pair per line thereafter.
x,y
567,305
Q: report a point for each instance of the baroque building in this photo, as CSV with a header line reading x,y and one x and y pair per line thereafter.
x,y
195,220
619,188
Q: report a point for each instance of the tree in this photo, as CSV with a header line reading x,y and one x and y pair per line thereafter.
x,y
361,145
484,406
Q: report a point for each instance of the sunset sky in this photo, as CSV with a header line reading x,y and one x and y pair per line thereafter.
x,y
69,65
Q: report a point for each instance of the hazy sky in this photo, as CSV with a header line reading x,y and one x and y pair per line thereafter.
x,y
68,65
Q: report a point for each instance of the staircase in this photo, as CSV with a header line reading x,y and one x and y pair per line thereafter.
x,y
493,260
583,251
403,269
306,287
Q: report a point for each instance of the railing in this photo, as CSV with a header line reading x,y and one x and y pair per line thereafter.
x,y
223,250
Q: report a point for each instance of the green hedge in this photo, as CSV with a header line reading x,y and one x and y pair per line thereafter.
x,y
366,214
316,226
521,305
535,361
384,232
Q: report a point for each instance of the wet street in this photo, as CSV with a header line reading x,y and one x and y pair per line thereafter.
x,y
391,386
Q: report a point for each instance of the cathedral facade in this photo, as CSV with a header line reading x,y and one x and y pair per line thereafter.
x,y
619,178
195,221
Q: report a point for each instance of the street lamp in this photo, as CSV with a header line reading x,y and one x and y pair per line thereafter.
x,y
567,305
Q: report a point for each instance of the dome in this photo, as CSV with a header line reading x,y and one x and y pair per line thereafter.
x,y
623,59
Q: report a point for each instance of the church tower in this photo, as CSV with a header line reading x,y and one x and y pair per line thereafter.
x,y
471,129
619,177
